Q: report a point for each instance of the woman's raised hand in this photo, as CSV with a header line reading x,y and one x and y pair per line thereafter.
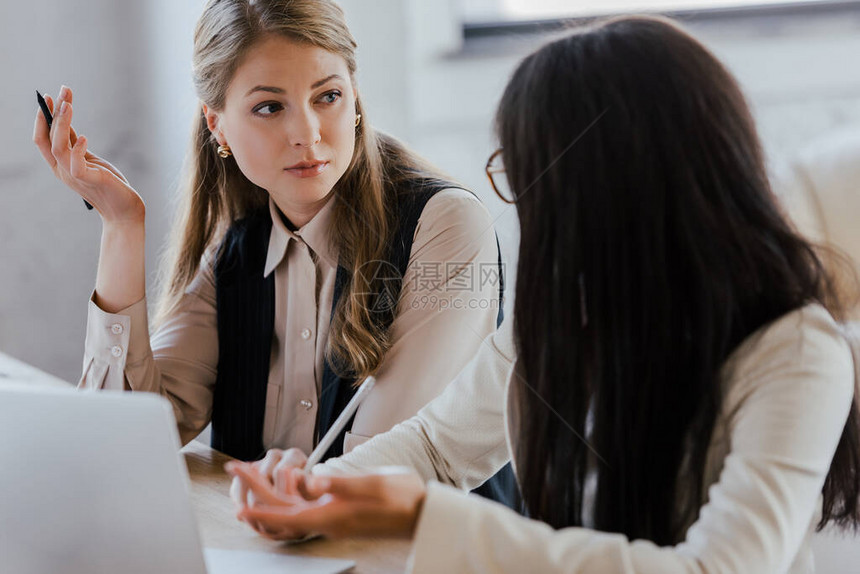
x,y
93,178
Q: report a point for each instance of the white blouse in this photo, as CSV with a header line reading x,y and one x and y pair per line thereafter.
x,y
787,393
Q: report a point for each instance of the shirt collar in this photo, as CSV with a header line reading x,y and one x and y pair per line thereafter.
x,y
315,233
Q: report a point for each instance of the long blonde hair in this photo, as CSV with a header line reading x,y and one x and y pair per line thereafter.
x,y
215,193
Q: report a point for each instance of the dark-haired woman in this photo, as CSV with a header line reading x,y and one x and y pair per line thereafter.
x,y
674,390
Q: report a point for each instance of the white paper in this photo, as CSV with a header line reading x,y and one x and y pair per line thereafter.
x,y
244,562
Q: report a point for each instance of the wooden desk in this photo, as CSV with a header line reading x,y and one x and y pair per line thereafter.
x,y
219,528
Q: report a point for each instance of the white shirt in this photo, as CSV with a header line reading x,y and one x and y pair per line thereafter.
x,y
787,393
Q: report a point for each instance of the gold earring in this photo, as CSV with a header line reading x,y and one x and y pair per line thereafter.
x,y
357,119
224,151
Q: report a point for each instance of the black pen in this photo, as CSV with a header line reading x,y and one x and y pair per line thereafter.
x,y
49,118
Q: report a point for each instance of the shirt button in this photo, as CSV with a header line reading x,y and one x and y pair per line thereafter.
x,y
116,351
116,329
306,334
307,404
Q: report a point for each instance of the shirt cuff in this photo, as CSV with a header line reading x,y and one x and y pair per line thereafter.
x,y
113,341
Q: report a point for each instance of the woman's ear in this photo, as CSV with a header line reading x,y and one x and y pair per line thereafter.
x,y
212,121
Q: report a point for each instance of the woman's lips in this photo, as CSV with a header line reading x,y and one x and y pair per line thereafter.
x,y
312,170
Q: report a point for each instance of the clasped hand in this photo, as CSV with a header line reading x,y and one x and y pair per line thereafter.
x,y
279,500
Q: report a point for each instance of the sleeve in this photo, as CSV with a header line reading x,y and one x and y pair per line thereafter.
x,y
179,361
448,305
792,395
458,438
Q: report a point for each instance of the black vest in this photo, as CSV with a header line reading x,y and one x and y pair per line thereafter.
x,y
245,301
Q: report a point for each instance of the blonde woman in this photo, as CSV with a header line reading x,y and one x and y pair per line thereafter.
x,y
309,252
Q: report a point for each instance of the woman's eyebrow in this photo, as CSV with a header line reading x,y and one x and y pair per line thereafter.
x,y
276,90
319,83
272,89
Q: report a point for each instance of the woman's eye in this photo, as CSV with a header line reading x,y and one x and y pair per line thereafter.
x,y
330,97
267,108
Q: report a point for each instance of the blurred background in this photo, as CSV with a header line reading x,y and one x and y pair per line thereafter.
x,y
430,73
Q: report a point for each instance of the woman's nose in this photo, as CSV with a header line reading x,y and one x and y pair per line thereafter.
x,y
304,130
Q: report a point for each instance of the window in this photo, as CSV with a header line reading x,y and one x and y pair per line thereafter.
x,y
525,10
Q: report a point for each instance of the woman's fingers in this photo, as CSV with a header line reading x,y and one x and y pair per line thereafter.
x,y
366,486
93,178
42,135
96,160
239,492
387,503
294,458
294,482
284,478
63,123
308,516
78,161
60,147
50,102
71,154
259,491
258,485
276,461
65,93
42,139
242,497
328,516
267,465
279,479
245,498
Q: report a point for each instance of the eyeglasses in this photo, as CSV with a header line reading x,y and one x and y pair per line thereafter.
x,y
498,180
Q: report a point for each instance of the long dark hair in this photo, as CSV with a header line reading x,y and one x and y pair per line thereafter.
x,y
650,248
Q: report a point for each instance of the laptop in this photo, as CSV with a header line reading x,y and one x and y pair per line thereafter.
x,y
92,483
